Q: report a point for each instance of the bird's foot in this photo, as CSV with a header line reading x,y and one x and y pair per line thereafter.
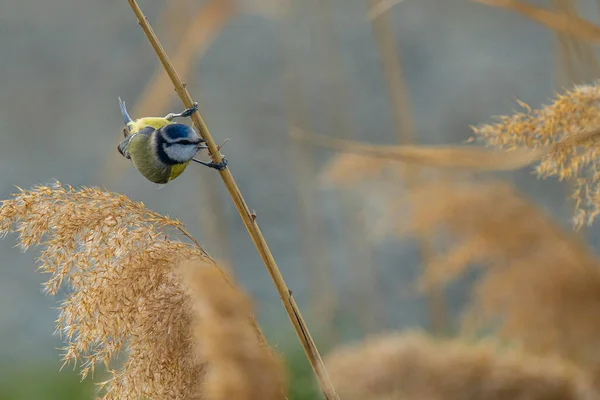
x,y
189,111
220,166
185,113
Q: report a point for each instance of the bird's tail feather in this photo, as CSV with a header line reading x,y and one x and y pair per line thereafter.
x,y
124,113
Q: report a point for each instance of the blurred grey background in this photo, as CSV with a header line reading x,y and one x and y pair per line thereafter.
x,y
64,62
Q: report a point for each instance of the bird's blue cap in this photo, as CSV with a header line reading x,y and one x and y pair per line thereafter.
x,y
178,131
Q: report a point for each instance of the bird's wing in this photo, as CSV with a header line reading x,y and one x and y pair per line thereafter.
x,y
147,130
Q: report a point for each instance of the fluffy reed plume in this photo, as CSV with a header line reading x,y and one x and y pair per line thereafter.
x,y
412,366
239,366
539,283
571,123
116,259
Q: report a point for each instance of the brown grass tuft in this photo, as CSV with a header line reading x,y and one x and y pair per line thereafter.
x,y
116,259
540,283
416,367
571,123
239,366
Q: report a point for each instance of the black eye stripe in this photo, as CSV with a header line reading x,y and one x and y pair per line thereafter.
x,y
184,142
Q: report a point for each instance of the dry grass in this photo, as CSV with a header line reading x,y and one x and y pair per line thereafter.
x,y
459,158
571,124
412,366
117,261
239,366
540,284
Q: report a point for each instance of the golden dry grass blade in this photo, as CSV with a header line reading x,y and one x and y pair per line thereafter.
x,y
411,366
561,22
458,157
247,216
238,365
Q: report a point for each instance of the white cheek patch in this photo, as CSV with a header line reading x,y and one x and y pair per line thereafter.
x,y
180,153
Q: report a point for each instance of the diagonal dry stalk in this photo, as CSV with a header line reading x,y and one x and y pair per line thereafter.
x,y
572,25
459,157
247,216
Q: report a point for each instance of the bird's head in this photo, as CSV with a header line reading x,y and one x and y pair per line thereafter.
x,y
179,142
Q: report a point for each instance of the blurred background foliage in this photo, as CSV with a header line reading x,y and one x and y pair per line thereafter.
x,y
383,72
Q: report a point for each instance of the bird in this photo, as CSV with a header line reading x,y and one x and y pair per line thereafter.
x,y
161,149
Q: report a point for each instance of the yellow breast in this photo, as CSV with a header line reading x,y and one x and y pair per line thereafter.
x,y
177,169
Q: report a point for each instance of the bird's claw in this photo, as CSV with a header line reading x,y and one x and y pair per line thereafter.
x,y
189,111
185,113
219,166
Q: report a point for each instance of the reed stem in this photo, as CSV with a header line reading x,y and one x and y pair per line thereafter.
x,y
247,216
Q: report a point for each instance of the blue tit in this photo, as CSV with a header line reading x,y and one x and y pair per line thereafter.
x,y
161,149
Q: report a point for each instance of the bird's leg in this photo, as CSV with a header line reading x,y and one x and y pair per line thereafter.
x,y
218,166
185,113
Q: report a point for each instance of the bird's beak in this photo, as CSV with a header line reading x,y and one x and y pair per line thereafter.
x,y
202,144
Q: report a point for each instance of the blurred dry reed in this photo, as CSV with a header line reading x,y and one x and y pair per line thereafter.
x,y
560,21
576,62
118,261
540,285
380,7
272,9
247,216
413,366
238,364
373,159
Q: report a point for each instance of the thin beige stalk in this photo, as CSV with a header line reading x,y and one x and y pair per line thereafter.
x,y
467,158
247,216
383,31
